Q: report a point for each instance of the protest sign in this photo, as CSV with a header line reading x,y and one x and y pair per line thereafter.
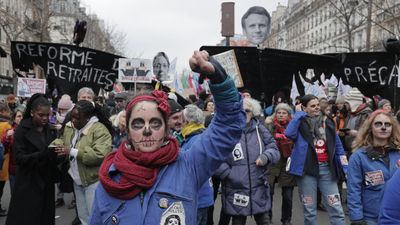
x,y
28,86
135,70
229,63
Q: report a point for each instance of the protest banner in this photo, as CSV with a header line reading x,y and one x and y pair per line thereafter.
x,y
267,71
66,68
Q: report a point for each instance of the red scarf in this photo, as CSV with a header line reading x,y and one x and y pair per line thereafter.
x,y
138,170
284,144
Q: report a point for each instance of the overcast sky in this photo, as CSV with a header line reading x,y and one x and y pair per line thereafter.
x,y
177,27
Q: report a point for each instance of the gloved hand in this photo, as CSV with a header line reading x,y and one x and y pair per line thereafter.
x,y
358,222
208,67
279,136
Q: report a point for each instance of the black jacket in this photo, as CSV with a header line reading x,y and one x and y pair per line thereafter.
x,y
32,201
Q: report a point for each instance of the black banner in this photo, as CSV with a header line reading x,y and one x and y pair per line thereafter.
x,y
267,71
67,68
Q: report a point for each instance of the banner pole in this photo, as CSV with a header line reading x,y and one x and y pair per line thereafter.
x,y
134,88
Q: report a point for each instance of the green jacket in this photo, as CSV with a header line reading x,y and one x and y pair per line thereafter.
x,y
93,146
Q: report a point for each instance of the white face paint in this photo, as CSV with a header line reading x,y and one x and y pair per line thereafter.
x,y
146,127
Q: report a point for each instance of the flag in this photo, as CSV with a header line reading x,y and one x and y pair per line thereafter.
x,y
294,92
116,89
343,89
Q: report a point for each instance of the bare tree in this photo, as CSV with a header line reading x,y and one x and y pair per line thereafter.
x,y
346,12
116,38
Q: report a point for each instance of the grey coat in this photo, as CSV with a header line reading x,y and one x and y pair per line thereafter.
x,y
245,188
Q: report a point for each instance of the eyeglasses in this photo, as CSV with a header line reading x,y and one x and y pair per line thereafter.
x,y
379,124
247,110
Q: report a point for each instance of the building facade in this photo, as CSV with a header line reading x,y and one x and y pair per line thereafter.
x,y
330,26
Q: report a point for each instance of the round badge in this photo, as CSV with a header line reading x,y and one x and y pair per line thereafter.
x,y
163,203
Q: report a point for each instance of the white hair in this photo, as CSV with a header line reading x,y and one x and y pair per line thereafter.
x,y
192,113
86,90
255,106
115,118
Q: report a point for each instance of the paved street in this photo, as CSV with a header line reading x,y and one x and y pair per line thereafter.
x,y
65,216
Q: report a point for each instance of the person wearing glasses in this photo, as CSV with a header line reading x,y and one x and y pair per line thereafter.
x,y
372,164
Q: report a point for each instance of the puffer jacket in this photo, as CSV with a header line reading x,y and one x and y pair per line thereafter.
x,y
245,188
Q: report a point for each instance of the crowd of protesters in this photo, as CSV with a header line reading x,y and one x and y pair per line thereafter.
x,y
149,159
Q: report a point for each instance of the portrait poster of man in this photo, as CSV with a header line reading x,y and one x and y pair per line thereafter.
x,y
256,24
161,65
135,70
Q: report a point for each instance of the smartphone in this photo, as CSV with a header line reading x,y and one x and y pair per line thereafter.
x,y
344,130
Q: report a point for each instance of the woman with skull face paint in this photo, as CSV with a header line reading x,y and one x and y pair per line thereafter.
x,y
86,141
147,180
374,161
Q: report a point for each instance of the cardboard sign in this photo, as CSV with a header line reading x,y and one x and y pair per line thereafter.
x,y
229,63
135,70
28,86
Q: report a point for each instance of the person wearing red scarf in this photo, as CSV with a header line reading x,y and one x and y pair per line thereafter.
x,y
148,180
277,124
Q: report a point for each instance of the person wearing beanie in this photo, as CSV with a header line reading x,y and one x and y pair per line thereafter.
x,y
355,99
359,113
175,120
63,107
385,105
149,180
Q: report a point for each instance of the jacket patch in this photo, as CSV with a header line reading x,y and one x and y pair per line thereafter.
x,y
237,152
174,215
343,160
333,199
373,178
241,200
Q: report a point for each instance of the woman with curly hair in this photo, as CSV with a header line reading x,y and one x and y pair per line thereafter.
x,y
373,163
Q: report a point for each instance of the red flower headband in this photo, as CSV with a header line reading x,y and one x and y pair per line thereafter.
x,y
375,113
157,96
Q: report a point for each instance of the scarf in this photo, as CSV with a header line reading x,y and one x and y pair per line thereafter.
x,y
284,144
138,170
190,128
317,126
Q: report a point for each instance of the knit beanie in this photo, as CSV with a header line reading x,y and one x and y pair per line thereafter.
x,y
382,103
175,107
65,102
340,100
354,98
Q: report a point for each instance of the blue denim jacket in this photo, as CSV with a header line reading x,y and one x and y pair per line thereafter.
x,y
366,182
174,194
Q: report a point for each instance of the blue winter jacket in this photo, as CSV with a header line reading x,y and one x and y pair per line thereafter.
x,y
245,188
390,210
300,133
366,181
206,192
174,194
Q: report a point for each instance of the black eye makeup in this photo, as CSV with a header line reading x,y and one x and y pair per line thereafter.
x,y
155,123
137,124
